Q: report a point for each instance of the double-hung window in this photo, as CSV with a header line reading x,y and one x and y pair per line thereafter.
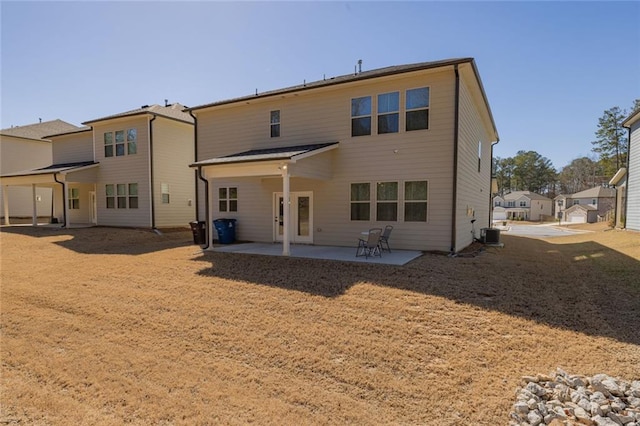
x,y
132,141
119,143
361,116
275,124
388,112
108,144
228,199
523,204
415,201
164,188
387,201
119,194
74,198
360,201
417,109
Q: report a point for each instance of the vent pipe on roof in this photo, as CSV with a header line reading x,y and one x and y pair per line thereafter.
x,y
166,102
40,119
359,66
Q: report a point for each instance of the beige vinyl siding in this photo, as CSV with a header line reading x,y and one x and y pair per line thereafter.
x,y
324,116
173,151
633,182
124,170
474,188
16,155
73,148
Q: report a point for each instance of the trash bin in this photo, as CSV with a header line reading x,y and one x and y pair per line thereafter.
x,y
226,229
199,232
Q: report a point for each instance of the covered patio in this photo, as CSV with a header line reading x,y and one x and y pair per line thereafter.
x,y
302,161
58,177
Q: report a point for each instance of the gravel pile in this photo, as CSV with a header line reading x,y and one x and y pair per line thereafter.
x,y
562,399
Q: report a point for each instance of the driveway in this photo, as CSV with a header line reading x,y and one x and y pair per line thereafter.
x,y
540,231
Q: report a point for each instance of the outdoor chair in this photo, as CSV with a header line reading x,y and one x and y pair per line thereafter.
x,y
369,244
384,238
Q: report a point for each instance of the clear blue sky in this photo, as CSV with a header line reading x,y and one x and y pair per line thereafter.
x,y
550,69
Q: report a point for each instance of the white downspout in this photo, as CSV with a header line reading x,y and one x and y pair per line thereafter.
x,y
34,220
286,196
5,201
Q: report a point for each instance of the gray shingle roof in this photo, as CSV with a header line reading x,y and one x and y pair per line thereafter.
x,y
396,69
530,195
266,154
39,131
173,111
596,192
54,168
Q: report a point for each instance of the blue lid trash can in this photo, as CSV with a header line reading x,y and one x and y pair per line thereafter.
x,y
226,229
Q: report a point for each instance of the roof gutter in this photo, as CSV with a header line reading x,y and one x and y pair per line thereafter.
x,y
206,206
456,120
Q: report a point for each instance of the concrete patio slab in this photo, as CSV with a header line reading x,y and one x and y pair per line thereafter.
x,y
345,254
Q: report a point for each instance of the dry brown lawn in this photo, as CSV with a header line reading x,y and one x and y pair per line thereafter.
x,y
111,326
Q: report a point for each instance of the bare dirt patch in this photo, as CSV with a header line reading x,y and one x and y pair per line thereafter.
x,y
108,326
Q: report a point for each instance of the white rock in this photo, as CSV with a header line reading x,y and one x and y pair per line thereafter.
x,y
582,416
604,421
633,402
534,418
521,408
618,406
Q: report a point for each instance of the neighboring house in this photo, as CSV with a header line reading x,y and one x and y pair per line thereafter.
x,y
408,146
129,169
25,148
521,205
632,215
619,182
598,201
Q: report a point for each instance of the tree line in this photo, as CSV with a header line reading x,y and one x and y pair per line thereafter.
x,y
530,171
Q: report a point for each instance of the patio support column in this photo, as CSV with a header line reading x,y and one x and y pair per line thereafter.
x,y
34,219
5,201
209,219
286,196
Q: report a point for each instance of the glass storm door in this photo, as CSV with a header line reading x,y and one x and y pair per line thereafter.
x,y
300,217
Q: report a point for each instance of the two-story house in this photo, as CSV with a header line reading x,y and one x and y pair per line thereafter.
x,y
25,148
128,169
522,205
632,207
408,146
588,206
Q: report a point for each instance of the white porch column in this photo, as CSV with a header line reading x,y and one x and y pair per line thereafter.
x,y
34,219
5,201
286,196
209,224
65,204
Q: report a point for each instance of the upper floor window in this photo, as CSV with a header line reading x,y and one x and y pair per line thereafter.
x,y
594,201
523,204
360,201
116,145
275,123
575,202
560,203
511,204
361,116
497,203
132,141
388,112
417,109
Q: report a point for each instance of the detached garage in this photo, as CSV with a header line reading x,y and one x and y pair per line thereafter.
x,y
581,214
